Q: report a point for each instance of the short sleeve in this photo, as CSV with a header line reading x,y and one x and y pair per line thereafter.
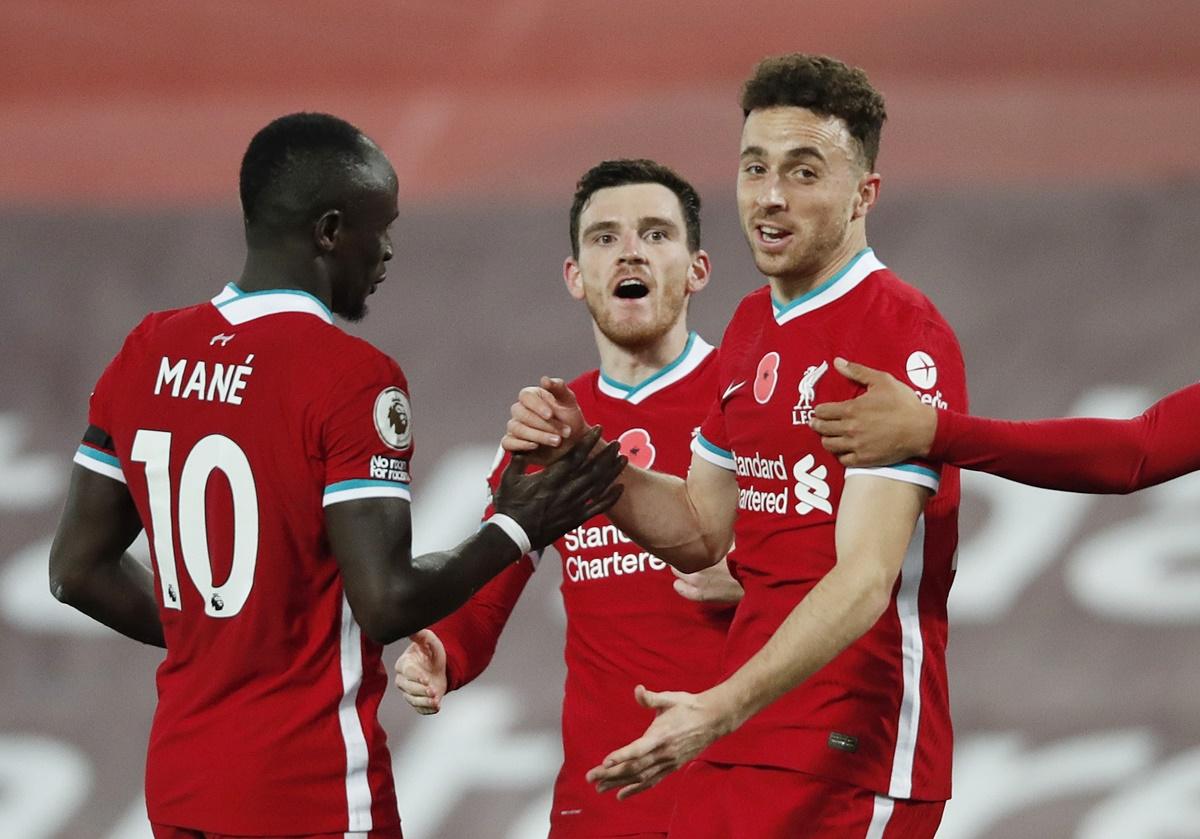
x,y
711,442
926,357
367,434
96,451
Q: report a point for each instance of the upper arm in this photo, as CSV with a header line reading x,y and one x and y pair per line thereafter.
x,y
367,535
99,521
875,523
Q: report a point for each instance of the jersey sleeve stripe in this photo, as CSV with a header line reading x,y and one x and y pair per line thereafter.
x,y
355,490
715,455
99,462
909,473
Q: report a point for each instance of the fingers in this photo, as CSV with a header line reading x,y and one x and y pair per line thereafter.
x,y
633,769
413,682
517,444
559,391
603,503
830,417
689,591
657,700
524,424
553,402
857,372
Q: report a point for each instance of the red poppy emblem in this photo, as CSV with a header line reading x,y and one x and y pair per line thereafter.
x,y
636,445
766,378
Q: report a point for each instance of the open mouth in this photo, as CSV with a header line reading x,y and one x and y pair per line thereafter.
x,y
772,235
631,289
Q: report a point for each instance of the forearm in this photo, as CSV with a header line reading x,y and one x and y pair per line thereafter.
x,y
834,614
441,581
471,633
1079,454
656,511
118,594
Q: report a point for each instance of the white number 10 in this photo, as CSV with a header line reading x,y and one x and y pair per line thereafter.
x,y
215,451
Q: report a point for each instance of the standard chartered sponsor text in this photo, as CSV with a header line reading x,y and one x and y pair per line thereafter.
x,y
583,540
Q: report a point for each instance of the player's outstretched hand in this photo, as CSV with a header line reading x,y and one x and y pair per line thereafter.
x,y
544,421
421,672
887,424
686,724
711,585
563,495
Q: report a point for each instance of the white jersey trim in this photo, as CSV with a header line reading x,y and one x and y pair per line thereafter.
x,y
912,649
354,490
863,265
881,814
694,353
358,788
100,463
240,307
905,472
714,454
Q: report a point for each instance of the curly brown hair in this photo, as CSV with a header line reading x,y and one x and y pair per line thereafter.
x,y
824,86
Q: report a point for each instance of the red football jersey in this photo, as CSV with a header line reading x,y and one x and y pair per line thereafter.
x,y
877,716
626,625
232,423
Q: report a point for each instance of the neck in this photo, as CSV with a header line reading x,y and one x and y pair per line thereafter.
x,y
633,365
788,287
278,268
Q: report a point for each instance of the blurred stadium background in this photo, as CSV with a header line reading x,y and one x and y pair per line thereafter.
x,y
1041,185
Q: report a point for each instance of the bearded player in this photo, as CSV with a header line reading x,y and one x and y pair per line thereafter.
x,y
832,719
1076,454
267,454
635,262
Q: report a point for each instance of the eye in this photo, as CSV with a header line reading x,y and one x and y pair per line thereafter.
x,y
605,238
804,173
754,169
656,235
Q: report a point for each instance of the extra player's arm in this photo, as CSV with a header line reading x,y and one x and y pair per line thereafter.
x,y
456,649
1075,454
89,568
875,523
686,523
393,593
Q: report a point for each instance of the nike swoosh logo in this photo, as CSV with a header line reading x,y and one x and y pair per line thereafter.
x,y
729,391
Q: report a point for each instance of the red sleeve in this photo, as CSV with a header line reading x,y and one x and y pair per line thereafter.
x,y
924,353
470,634
1079,455
366,433
96,451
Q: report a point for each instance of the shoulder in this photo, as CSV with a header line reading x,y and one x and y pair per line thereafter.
x,y
354,359
899,303
756,304
748,317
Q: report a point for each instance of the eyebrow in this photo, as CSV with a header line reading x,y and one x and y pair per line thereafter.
x,y
790,154
643,222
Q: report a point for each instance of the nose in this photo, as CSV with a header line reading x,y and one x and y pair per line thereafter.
x,y
632,248
770,195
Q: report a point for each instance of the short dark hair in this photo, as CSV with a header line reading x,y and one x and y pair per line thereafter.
x,y
627,172
824,86
286,168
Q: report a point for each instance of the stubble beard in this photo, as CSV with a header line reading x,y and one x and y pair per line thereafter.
x,y
637,335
